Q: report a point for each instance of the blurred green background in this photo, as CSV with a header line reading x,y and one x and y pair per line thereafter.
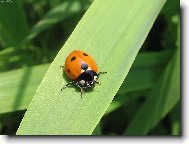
x,y
33,31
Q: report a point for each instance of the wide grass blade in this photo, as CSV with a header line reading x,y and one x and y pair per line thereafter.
x,y
18,86
112,32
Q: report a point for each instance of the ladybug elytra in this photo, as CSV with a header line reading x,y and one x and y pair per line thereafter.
x,y
82,70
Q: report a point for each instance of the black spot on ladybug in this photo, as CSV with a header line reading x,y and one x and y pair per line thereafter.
x,y
68,70
73,58
85,54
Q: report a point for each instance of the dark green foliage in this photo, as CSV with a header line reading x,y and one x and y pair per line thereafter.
x,y
33,31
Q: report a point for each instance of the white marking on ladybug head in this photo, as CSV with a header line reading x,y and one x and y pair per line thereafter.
x,y
82,82
95,78
82,70
89,68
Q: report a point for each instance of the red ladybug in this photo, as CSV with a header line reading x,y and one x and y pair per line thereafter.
x,y
82,70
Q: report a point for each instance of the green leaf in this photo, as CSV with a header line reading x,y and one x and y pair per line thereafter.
x,y
13,24
113,36
18,87
97,130
164,96
57,14
147,66
145,71
176,120
161,100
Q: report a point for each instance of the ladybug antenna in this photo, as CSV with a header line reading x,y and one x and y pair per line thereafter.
x,y
68,84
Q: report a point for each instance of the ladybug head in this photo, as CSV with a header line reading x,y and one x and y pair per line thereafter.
x,y
87,79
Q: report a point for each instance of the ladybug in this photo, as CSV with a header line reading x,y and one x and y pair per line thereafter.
x,y
82,70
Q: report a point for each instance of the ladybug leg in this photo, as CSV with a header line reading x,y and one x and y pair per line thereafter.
x,y
98,82
62,69
98,76
81,90
68,84
101,73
